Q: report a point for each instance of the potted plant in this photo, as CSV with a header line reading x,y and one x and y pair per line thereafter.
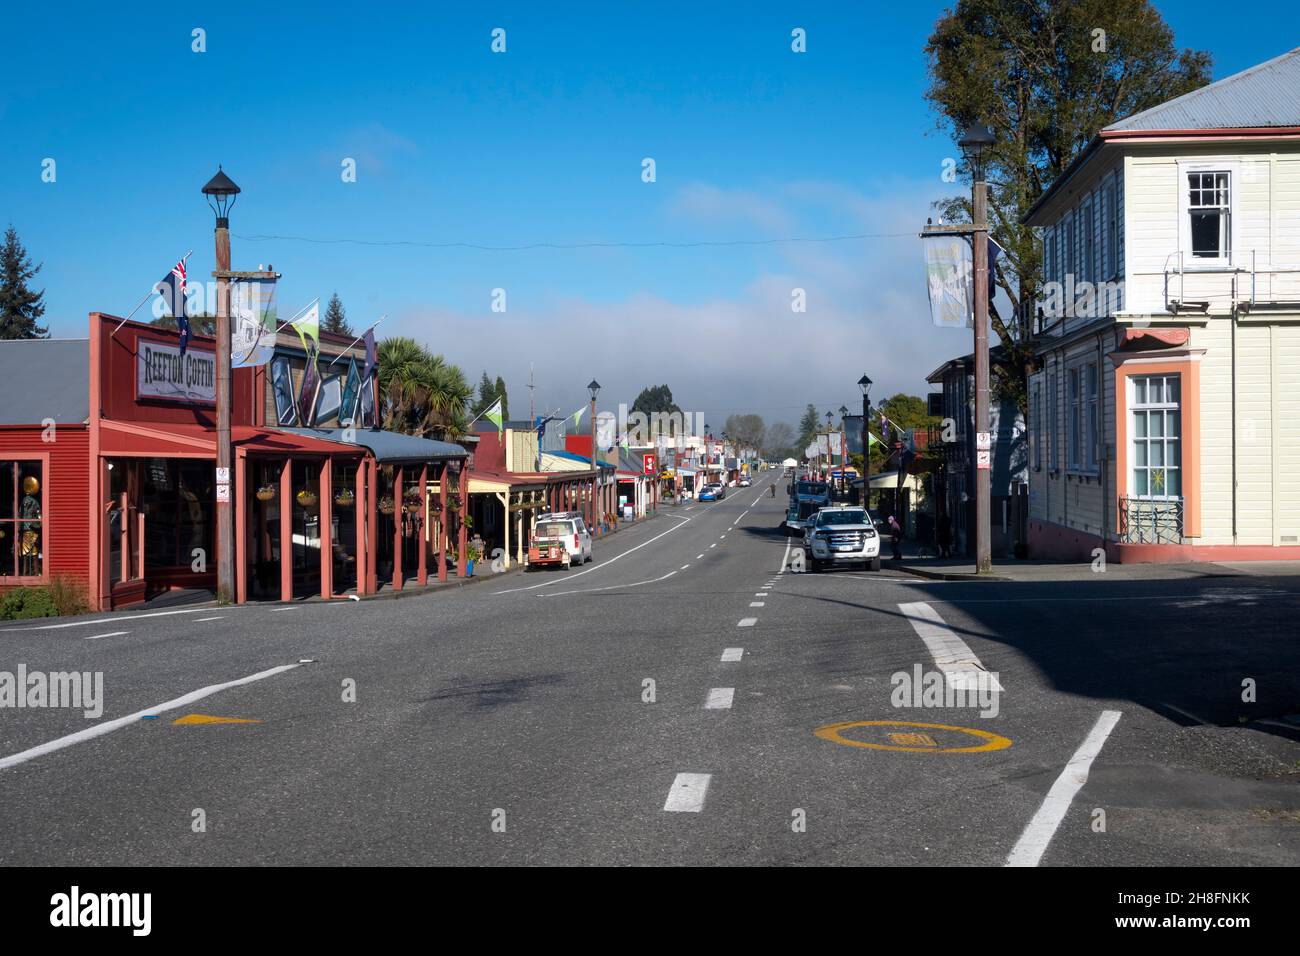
x,y
386,505
473,554
345,497
307,498
266,493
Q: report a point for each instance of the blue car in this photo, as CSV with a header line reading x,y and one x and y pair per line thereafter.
x,y
709,494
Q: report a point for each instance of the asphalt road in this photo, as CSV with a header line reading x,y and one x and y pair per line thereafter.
x,y
596,716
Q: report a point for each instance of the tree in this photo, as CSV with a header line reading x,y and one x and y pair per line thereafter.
x,y
1046,75
747,431
655,399
500,390
904,412
199,324
336,318
778,442
809,425
420,393
20,307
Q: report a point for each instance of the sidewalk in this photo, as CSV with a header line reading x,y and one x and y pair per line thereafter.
x,y
1010,569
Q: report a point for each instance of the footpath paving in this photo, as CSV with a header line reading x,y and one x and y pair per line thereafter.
x,y
1010,569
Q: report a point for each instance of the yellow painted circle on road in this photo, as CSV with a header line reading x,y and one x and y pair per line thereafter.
x,y
834,733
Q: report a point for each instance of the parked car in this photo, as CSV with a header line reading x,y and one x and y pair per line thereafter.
x,y
745,482
714,491
842,535
560,539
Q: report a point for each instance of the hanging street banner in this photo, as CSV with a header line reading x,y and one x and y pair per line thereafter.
x,y
948,273
162,372
252,322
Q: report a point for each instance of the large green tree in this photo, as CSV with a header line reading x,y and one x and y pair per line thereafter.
x,y
1046,75
778,441
20,305
656,398
421,393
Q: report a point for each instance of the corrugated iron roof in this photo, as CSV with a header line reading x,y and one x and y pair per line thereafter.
x,y
1265,95
44,379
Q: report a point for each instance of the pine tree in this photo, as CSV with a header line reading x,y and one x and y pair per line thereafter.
x,y
500,390
336,318
20,307
486,394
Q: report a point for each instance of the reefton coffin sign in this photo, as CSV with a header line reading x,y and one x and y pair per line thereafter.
x,y
163,373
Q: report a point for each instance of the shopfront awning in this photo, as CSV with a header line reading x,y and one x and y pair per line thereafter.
x,y
189,440
389,448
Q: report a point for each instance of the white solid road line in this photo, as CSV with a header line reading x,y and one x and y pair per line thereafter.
x,y
200,620
116,619
609,587
960,666
785,561
747,622
1038,834
687,793
733,654
285,609
108,726
720,698
95,637
603,564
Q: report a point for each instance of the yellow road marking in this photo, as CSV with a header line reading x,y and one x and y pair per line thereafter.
x,y
192,719
832,732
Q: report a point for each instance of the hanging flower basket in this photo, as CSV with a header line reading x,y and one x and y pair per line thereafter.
x,y
266,493
413,507
386,505
344,498
307,499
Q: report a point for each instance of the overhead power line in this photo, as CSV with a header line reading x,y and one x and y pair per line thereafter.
x,y
695,244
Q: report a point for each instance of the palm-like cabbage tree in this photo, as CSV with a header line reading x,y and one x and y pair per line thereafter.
x,y
420,393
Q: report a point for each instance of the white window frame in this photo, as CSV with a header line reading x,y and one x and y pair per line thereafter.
x,y
1036,404
1111,245
1053,421
1185,169
1074,418
1134,408
1092,406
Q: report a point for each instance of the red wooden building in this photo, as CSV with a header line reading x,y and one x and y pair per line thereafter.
x,y
107,471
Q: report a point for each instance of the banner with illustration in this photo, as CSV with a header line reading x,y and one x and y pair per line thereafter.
x,y
948,273
252,322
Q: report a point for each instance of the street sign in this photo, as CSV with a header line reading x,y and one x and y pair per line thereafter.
x,y
982,459
223,492
223,476
983,441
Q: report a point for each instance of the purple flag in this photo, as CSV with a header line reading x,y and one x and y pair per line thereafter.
x,y
370,353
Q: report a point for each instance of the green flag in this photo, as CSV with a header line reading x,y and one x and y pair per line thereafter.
x,y
307,325
577,416
493,415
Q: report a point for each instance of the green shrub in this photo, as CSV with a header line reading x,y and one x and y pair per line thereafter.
x,y
22,603
69,595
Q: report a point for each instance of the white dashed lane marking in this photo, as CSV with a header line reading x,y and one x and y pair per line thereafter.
x,y
687,793
747,622
95,637
733,654
720,698
757,604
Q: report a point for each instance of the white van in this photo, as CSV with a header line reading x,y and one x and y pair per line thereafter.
x,y
570,530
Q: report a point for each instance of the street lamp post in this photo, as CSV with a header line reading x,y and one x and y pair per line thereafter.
x,y
221,192
594,388
844,453
864,385
974,144
830,417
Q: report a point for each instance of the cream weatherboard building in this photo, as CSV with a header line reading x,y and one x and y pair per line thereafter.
x,y
1165,404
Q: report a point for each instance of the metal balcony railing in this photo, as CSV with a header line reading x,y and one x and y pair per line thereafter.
x,y
1151,521
1282,291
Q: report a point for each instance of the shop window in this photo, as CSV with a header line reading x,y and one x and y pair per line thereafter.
x,y
351,392
329,401
282,385
1155,437
22,519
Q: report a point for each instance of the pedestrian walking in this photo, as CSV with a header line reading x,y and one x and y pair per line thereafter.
x,y
897,533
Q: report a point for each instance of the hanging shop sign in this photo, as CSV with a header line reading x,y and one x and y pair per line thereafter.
x,y
162,372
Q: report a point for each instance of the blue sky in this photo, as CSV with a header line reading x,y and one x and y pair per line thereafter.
x,y
541,144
